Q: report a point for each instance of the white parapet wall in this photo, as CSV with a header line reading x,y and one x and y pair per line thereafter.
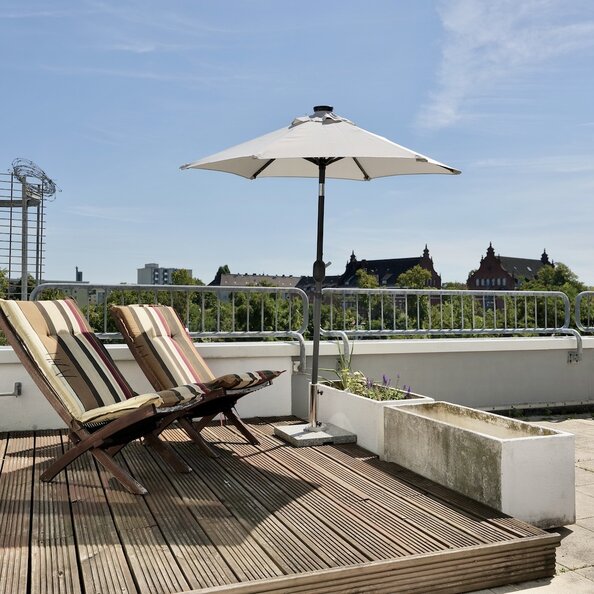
x,y
31,410
490,373
482,373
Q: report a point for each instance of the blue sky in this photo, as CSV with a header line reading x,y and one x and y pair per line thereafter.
x,y
111,97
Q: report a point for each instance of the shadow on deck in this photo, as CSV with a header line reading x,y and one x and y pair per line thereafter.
x,y
265,518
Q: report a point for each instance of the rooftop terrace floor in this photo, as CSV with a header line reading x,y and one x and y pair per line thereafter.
x,y
267,518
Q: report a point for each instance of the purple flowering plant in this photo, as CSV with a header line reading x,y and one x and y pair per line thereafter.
x,y
357,383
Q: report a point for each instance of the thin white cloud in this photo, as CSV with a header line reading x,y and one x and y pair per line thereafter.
x,y
488,43
108,213
34,14
147,75
549,164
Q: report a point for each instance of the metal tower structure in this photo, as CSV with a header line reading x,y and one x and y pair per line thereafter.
x,y
24,191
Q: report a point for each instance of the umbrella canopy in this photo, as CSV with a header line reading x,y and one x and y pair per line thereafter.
x,y
293,151
320,145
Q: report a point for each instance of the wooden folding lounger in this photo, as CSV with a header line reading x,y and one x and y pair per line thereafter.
x,y
75,372
167,356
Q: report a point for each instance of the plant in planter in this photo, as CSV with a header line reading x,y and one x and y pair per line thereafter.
x,y
356,403
357,383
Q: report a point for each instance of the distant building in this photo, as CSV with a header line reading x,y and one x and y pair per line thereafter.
x,y
153,274
255,280
386,271
505,273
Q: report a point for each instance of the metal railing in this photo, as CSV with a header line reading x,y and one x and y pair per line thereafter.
x,y
374,313
212,313
584,311
221,313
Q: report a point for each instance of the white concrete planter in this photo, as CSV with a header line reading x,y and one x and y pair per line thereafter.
x,y
523,470
360,415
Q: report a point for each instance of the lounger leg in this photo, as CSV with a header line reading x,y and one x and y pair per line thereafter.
x,y
241,427
84,441
195,436
103,458
64,460
203,422
167,453
123,477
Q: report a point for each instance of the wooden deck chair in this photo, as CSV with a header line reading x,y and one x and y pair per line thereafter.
x,y
76,374
167,356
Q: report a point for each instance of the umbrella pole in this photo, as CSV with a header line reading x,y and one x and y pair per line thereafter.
x,y
319,274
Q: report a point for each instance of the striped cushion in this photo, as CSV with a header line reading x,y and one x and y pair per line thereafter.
x,y
110,412
165,398
161,345
167,355
77,365
73,360
241,381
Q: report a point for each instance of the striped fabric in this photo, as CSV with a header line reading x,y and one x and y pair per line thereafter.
x,y
76,364
163,399
240,381
161,345
167,355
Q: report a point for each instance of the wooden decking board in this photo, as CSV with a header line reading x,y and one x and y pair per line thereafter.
x,y
16,497
460,521
152,562
295,517
329,515
262,527
368,537
102,560
442,571
247,559
422,523
470,508
430,501
265,519
425,521
199,560
431,496
289,553
54,566
345,487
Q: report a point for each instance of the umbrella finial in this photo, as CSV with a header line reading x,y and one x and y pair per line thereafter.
x,y
323,108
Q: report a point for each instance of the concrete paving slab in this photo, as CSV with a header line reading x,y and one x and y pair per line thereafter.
x,y
586,464
587,489
583,477
564,583
588,524
584,505
577,547
587,572
583,453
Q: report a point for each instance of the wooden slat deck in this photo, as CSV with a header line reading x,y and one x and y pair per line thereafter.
x,y
267,518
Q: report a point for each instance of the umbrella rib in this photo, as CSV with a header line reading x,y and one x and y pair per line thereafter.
x,y
367,178
269,162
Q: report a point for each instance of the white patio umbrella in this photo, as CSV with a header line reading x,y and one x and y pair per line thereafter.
x,y
320,145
